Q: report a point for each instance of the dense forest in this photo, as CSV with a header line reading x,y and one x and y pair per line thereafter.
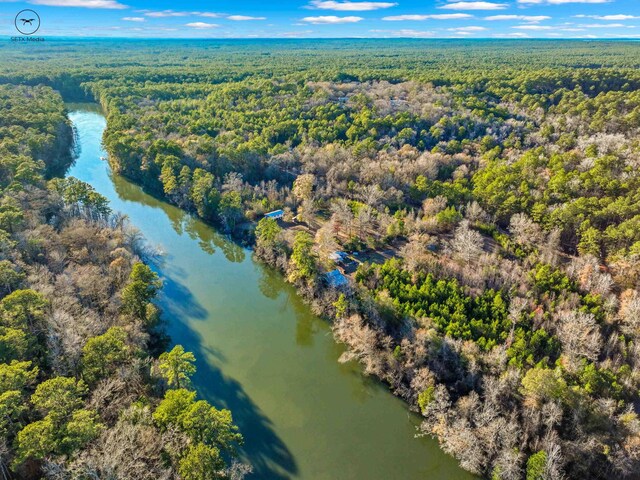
x,y
486,196
84,389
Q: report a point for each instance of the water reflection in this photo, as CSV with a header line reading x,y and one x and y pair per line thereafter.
x,y
208,239
270,282
272,285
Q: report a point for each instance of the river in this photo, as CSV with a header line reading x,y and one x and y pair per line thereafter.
x,y
261,352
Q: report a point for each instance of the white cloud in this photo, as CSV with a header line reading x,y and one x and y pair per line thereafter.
x,y
111,4
173,13
511,35
201,25
605,25
475,6
612,18
241,18
533,27
522,18
443,16
450,16
405,33
348,6
133,19
166,13
560,2
331,19
467,29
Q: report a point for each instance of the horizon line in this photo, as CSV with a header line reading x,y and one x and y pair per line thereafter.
x,y
115,37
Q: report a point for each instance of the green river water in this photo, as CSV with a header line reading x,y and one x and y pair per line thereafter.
x,y
261,352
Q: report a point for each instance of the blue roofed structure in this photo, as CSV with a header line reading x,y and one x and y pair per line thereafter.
x,y
276,214
335,278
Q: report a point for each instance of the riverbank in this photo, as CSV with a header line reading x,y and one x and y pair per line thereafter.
x,y
82,377
262,353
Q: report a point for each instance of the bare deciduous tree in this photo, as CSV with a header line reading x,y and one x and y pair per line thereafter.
x,y
630,312
524,230
580,335
467,242
475,213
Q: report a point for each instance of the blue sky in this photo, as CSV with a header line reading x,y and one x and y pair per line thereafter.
x,y
331,18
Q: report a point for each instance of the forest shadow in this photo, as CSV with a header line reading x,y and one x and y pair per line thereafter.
x,y
263,448
178,301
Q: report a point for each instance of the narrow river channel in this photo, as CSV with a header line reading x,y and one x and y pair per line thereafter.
x,y
261,352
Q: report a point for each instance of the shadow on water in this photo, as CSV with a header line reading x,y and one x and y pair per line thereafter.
x,y
263,448
180,302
